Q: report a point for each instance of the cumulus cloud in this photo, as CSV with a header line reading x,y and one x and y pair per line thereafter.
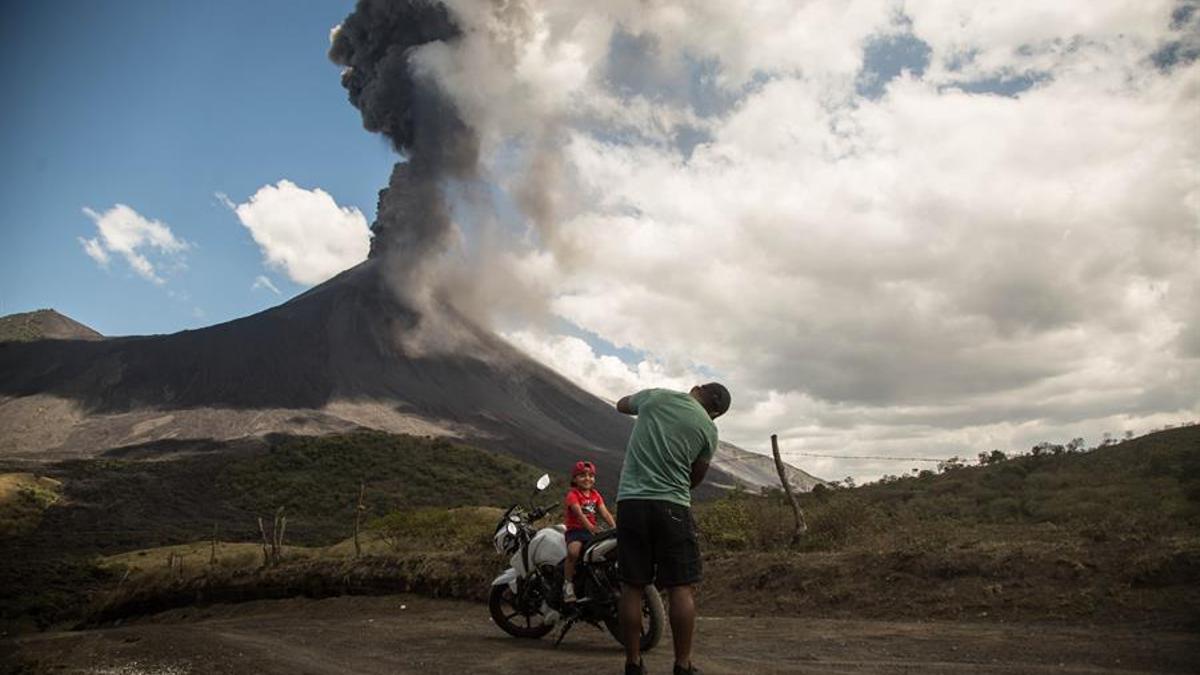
x,y
987,240
126,232
604,375
303,233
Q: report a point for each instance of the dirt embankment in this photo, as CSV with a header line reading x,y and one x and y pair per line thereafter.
x,y
1028,583
410,634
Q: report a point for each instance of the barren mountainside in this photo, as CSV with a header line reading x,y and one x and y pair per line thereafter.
x,y
43,324
346,354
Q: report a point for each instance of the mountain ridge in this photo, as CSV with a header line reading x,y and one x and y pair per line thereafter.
x,y
343,355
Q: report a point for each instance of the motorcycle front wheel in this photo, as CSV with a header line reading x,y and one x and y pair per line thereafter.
x,y
511,619
654,619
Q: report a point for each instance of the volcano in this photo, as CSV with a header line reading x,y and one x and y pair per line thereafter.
x,y
346,354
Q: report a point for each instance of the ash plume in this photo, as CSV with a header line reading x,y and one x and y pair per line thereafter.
x,y
377,45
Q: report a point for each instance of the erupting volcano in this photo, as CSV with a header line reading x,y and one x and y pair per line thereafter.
x,y
378,346
346,354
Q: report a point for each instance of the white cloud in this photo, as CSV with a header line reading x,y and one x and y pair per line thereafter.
x,y
603,375
304,233
95,250
261,281
128,233
941,270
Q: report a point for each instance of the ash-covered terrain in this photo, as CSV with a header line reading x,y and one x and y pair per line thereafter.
x,y
346,354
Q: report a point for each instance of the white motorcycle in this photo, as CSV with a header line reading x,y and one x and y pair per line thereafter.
x,y
526,599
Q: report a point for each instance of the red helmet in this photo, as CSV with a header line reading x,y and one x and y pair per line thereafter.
x,y
583,466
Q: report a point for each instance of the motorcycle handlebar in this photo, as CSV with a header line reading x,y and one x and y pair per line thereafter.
x,y
541,511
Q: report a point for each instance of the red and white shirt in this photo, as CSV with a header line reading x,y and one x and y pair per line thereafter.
x,y
589,502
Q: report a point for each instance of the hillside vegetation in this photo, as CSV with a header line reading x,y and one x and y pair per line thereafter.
x,y
23,499
122,504
113,505
1144,488
1109,534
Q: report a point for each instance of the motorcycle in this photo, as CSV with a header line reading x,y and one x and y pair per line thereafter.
x,y
526,600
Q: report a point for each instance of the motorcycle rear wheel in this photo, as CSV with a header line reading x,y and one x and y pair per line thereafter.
x,y
654,619
512,620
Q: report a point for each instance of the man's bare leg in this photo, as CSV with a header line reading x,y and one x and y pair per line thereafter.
x,y
683,623
629,610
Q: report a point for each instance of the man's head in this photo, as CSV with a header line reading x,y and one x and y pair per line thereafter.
x,y
713,396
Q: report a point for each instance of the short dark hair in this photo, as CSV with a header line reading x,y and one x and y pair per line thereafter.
x,y
715,398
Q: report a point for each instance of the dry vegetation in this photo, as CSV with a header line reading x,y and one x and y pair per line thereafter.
x,y
24,497
109,506
1107,534
1060,532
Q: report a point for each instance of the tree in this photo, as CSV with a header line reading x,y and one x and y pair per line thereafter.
x,y
993,457
1046,448
950,464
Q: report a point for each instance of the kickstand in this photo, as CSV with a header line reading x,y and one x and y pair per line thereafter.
x,y
566,627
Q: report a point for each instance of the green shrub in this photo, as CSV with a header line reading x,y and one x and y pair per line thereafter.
x,y
840,521
726,524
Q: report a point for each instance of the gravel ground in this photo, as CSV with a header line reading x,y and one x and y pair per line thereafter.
x,y
410,634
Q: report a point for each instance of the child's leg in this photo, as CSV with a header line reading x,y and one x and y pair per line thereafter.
x,y
573,550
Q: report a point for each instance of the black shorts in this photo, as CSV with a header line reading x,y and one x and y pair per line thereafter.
x,y
656,543
578,535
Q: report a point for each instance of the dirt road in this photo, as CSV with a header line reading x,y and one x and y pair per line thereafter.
x,y
410,634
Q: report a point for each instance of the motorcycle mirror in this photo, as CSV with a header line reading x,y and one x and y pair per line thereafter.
x,y
543,482
511,529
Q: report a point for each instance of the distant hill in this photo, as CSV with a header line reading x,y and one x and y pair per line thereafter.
x,y
43,324
750,469
1155,477
120,503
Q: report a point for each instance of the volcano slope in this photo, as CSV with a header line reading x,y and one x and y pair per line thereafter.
x,y
345,355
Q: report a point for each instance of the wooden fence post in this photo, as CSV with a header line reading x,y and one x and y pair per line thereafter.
x,y
801,526
266,551
277,534
358,509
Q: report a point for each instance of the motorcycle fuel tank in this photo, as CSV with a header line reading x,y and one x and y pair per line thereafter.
x,y
548,547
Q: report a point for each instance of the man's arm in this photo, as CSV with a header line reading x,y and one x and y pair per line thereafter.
x,y
699,468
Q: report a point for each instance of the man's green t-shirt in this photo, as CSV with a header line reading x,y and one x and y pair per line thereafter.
x,y
672,431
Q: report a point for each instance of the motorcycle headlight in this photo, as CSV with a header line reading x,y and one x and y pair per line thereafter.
x,y
505,539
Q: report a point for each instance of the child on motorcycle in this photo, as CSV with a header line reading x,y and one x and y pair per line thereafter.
x,y
582,503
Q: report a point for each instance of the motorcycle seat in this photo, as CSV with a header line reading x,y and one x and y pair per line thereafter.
x,y
603,536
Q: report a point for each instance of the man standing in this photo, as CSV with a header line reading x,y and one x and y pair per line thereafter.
x,y
670,448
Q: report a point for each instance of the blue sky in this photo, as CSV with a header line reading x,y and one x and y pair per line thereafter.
x,y
159,106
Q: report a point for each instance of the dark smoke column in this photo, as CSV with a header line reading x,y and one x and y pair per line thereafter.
x,y
376,44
